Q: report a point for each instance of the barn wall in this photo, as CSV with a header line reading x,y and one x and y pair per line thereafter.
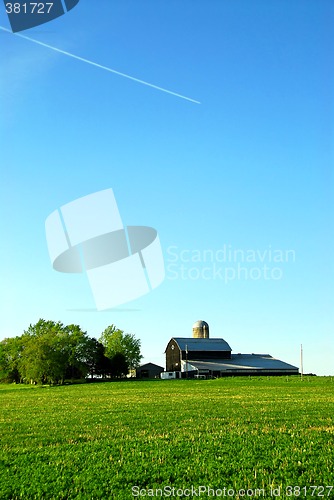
x,y
173,357
205,355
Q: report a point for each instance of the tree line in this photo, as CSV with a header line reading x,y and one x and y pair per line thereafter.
x,y
49,352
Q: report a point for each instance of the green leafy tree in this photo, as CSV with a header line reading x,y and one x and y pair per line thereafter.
x,y
10,355
119,366
44,360
49,352
96,361
53,352
78,346
44,357
7,374
43,327
116,341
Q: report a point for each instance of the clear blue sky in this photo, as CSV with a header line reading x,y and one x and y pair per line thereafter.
x,y
250,168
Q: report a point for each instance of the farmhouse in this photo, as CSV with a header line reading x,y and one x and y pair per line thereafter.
x,y
200,355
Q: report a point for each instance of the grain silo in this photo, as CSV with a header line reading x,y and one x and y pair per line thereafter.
x,y
200,330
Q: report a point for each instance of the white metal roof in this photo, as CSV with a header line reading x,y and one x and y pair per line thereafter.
x,y
242,362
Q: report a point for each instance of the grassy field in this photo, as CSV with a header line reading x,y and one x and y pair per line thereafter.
x,y
242,437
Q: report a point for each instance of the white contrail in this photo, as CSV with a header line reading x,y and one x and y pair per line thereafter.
x,y
100,66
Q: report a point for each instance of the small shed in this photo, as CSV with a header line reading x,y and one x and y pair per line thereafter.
x,y
149,370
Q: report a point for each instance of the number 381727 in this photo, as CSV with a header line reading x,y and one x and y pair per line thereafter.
x,y
29,8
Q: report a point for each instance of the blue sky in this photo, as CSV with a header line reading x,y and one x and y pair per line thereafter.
x,y
248,169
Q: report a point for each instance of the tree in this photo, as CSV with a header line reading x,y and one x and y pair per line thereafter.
x,y
10,354
48,352
78,347
119,366
44,360
116,341
96,361
53,352
45,356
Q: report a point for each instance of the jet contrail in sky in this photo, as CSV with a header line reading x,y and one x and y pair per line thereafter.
x,y
100,66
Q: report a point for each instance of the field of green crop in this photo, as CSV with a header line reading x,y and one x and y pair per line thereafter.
x,y
241,437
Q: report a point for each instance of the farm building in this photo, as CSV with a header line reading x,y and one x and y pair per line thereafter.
x,y
149,370
201,355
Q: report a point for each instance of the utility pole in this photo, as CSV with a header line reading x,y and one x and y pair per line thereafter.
x,y
301,362
186,360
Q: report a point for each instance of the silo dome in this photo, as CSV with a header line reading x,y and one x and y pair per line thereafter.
x,y
200,330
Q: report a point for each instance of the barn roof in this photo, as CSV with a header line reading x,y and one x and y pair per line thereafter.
x,y
150,366
193,344
243,362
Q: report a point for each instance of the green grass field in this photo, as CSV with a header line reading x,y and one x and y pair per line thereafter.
x,y
136,439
